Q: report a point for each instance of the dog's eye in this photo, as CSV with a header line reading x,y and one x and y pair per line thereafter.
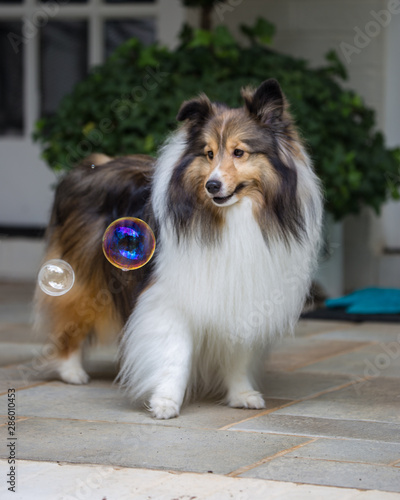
x,y
238,153
210,154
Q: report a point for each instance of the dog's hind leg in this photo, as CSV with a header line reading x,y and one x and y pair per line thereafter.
x,y
71,370
68,363
67,320
68,336
72,335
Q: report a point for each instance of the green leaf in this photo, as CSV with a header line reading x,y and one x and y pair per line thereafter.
x,y
222,37
148,145
88,128
147,57
262,31
336,67
201,38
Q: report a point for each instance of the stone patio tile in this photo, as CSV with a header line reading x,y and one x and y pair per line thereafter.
x,y
216,487
293,354
349,450
277,423
150,446
102,401
312,492
208,414
93,482
299,385
378,328
12,353
374,495
307,327
15,384
196,487
374,360
361,335
375,400
23,375
348,475
4,422
31,364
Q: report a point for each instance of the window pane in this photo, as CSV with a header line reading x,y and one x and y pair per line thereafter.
x,y
64,60
11,78
117,32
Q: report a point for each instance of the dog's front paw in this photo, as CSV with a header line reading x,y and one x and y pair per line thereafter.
x,y
163,408
248,399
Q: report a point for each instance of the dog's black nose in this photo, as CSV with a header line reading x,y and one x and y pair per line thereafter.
x,y
213,186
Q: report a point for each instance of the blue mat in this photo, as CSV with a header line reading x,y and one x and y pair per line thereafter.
x,y
369,301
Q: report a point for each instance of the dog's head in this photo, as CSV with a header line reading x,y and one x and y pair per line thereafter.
x,y
249,152
236,150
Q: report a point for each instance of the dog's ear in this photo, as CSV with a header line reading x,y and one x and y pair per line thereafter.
x,y
266,103
198,110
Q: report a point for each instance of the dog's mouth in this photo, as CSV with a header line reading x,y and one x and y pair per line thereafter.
x,y
221,200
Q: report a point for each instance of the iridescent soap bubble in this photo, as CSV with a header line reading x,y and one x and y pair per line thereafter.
x,y
128,243
56,277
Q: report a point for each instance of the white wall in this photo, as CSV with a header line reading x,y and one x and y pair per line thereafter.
x,y
25,200
25,185
310,28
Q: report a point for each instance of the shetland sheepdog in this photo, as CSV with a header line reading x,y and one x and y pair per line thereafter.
x,y
236,210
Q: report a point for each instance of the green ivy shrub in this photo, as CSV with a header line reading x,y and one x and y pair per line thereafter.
x,y
128,105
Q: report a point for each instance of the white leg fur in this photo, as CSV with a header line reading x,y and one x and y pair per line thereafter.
x,y
71,371
157,356
241,393
173,375
168,395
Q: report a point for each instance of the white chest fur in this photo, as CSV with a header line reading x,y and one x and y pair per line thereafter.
x,y
241,287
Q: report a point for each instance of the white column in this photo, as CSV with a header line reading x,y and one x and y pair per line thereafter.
x,y
391,211
170,21
31,70
96,41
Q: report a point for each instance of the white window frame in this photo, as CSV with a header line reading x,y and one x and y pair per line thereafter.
x,y
168,15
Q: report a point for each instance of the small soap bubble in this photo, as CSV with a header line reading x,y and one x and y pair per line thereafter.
x,y
128,243
56,277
